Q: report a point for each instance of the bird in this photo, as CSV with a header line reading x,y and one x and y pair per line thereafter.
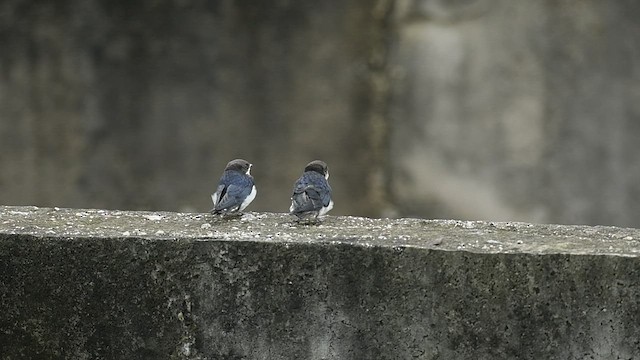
x,y
311,197
236,189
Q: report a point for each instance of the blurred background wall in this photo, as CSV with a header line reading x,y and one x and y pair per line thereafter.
x,y
475,109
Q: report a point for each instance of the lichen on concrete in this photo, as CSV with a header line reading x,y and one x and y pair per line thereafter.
x,y
472,236
83,283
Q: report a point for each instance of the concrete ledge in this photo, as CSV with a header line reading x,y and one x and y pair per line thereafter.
x,y
87,284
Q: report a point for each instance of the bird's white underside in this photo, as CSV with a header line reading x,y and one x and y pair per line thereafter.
x,y
323,210
249,198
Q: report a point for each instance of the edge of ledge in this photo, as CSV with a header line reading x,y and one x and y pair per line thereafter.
x,y
447,235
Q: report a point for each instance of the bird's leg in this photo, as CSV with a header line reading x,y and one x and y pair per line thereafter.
x,y
232,215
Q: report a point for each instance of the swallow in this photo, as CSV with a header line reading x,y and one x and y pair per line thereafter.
x,y
311,192
236,189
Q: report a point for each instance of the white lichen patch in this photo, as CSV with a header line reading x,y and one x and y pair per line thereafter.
x,y
153,217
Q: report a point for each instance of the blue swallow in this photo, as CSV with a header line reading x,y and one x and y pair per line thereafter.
x,y
236,189
311,192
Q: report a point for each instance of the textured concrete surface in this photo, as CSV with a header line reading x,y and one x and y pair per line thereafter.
x,y
91,284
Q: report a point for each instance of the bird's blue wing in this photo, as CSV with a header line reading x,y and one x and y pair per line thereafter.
x,y
236,188
233,197
310,193
325,193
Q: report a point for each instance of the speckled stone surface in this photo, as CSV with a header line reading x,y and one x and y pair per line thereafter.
x,y
79,283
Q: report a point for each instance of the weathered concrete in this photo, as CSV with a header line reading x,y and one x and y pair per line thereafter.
x,y
146,285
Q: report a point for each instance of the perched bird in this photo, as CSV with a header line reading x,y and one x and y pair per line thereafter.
x,y
236,189
311,192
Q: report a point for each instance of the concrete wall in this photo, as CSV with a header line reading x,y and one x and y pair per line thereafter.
x,y
518,110
477,109
112,104
140,285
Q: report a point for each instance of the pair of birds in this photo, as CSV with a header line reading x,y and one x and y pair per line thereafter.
x,y
311,192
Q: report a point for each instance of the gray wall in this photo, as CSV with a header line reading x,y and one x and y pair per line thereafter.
x,y
486,109
115,104
521,110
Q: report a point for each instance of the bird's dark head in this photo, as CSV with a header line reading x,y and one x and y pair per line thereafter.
x,y
239,165
319,167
